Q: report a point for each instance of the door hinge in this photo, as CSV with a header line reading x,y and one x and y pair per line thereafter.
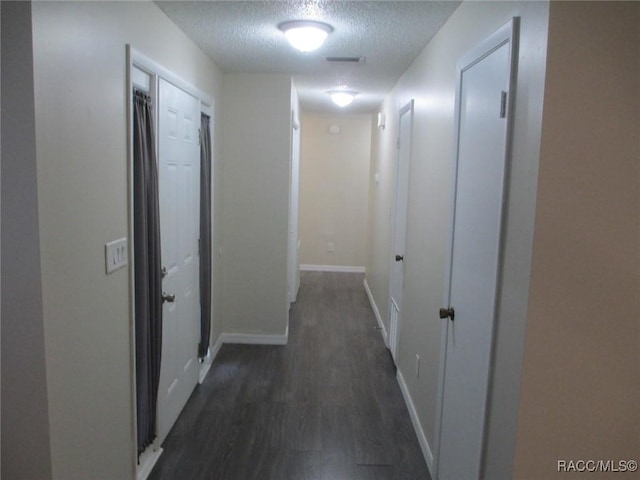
x,y
503,104
199,137
398,143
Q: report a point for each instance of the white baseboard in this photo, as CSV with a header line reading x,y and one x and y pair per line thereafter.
x,y
205,366
249,338
244,338
148,460
213,351
331,268
422,439
204,369
376,312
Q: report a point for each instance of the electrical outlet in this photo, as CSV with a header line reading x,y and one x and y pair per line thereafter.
x,y
330,248
115,254
417,365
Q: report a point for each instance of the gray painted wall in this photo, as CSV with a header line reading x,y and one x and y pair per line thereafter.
x,y
256,151
25,419
580,380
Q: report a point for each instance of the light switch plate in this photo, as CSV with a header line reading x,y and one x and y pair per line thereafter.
x,y
115,255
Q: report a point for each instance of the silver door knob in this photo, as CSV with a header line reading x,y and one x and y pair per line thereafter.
x,y
447,313
168,297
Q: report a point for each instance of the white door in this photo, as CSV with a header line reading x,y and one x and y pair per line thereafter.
x,y
482,116
400,227
294,190
179,172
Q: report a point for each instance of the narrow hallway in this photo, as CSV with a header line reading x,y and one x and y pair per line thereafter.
x,y
325,406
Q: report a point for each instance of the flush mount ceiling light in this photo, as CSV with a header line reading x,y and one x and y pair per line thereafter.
x,y
305,35
342,98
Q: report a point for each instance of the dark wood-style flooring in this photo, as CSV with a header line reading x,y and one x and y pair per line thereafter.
x,y
325,406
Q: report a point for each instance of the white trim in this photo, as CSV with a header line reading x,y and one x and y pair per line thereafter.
x,y
132,298
205,365
148,460
140,79
331,268
255,339
415,420
376,312
213,351
145,63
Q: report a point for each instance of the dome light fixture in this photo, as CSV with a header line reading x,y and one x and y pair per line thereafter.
x,y
305,35
342,98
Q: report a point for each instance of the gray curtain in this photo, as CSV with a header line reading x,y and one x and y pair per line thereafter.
x,y
205,235
148,280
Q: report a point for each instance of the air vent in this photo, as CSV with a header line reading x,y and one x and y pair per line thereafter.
x,y
345,59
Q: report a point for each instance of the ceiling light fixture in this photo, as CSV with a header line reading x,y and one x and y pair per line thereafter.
x,y
342,98
305,35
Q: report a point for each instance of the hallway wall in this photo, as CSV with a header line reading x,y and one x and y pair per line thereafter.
x,y
25,413
81,142
334,182
580,380
431,82
256,147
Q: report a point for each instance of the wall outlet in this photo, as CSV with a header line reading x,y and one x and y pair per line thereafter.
x,y
417,365
115,255
330,248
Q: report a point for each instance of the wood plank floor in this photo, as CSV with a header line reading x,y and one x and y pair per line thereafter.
x,y
325,407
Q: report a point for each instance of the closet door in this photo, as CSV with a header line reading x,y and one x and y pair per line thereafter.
x,y
179,172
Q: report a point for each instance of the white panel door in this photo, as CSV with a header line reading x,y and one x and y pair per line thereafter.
x,y
179,158
473,277
400,227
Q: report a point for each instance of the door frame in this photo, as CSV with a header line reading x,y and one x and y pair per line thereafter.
x,y
294,202
138,65
507,34
407,108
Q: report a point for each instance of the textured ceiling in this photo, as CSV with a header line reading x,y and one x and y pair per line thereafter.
x,y
243,36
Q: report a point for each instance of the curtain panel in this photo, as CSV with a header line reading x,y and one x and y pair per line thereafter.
x,y
147,264
205,235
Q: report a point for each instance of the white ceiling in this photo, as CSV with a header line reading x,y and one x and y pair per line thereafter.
x,y
243,36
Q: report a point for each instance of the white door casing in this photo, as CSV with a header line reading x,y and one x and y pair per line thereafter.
x,y
403,167
179,172
294,195
484,95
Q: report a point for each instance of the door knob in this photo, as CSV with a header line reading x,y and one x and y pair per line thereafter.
x,y
399,258
168,297
447,313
